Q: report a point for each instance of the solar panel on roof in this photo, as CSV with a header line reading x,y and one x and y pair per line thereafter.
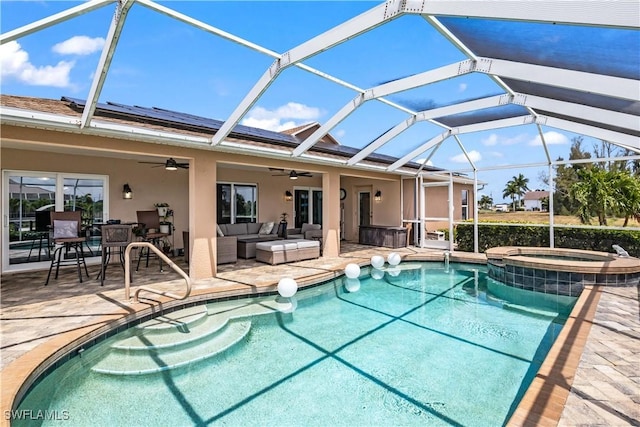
x,y
190,118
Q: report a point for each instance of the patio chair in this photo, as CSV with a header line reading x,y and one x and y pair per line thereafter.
x,y
114,236
149,226
43,229
67,236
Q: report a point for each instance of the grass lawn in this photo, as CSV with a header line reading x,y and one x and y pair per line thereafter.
x,y
543,218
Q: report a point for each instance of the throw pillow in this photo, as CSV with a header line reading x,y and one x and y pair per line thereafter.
x,y
65,229
219,231
266,228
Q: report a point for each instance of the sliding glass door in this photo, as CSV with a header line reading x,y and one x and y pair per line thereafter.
x,y
27,200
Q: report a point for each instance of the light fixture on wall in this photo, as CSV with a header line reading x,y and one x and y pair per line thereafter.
x,y
127,192
288,196
378,196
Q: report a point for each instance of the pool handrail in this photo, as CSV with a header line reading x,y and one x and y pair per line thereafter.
x,y
163,257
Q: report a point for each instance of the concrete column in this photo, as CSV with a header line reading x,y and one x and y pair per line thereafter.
x,y
202,217
331,213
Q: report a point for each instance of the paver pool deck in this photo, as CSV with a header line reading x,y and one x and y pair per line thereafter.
x,y
591,376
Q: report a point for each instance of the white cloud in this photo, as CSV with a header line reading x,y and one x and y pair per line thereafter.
x,y
496,154
491,140
79,45
495,139
283,117
462,87
551,138
429,163
14,63
461,158
339,133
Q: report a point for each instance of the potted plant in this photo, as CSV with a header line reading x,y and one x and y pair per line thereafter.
x,y
166,246
162,208
282,230
165,224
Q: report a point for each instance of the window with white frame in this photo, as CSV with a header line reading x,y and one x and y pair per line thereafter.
x,y
244,207
465,204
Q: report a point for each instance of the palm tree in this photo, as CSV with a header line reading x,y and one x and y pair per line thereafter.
x,y
485,201
521,184
511,190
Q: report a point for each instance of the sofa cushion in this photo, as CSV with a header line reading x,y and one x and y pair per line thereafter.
x,y
65,229
266,228
308,227
276,246
253,227
235,229
307,243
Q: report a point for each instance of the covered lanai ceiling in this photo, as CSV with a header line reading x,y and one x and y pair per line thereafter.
x,y
568,65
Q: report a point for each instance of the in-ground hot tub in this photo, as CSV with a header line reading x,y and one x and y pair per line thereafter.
x,y
560,271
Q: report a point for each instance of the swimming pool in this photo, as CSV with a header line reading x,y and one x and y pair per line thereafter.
x,y
422,345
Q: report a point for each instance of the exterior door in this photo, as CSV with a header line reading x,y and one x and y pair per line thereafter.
x,y
308,206
364,208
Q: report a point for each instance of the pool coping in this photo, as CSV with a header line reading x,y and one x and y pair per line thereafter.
x,y
543,401
600,262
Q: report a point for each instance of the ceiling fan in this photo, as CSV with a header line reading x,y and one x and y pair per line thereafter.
x,y
169,165
291,174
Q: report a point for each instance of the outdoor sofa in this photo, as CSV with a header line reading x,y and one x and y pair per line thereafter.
x,y
307,231
246,236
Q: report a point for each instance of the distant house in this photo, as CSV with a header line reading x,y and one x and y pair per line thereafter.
x,y
501,207
533,200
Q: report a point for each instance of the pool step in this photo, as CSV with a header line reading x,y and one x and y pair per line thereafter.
x,y
159,337
138,355
177,320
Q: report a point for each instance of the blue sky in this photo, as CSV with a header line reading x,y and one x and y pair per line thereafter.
x,y
164,63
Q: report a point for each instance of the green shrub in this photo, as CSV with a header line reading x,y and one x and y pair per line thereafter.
x,y
491,235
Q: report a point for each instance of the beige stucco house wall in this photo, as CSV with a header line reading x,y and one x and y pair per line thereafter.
x,y
191,193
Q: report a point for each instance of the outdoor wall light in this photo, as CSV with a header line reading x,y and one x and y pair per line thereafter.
x,y
288,196
378,196
127,192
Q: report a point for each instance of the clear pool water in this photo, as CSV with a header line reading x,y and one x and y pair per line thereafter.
x,y
422,346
